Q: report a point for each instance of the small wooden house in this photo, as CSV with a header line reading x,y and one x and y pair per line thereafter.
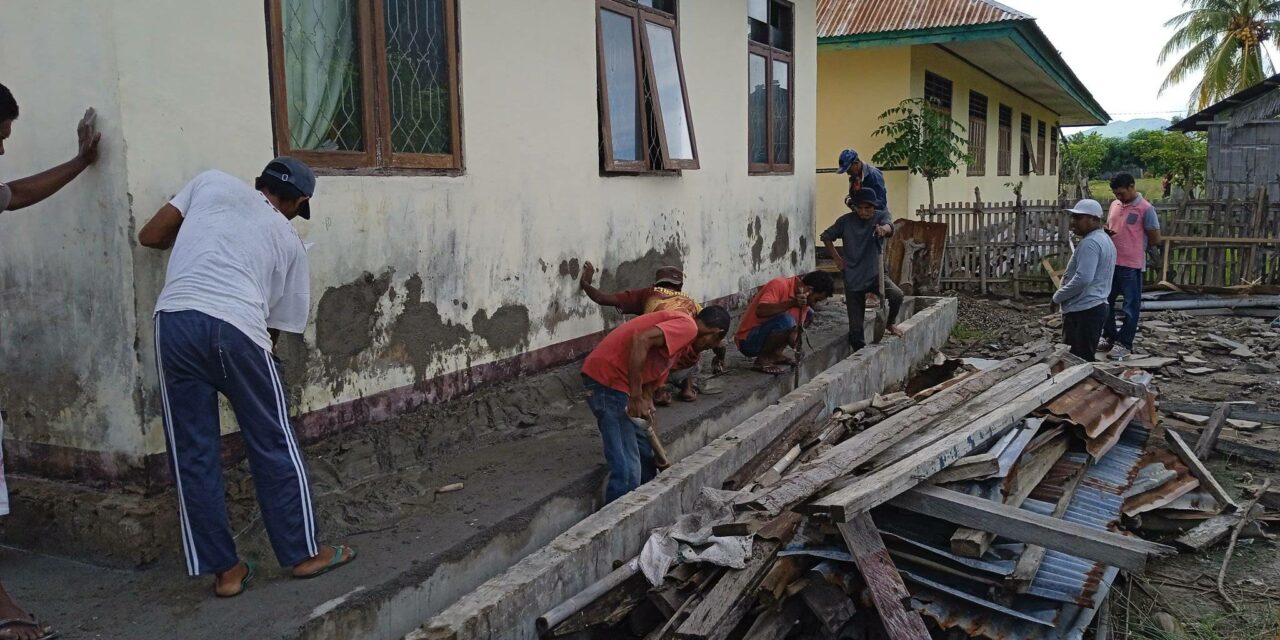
x,y
1244,140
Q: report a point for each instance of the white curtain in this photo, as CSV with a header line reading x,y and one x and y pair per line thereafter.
x,y
319,39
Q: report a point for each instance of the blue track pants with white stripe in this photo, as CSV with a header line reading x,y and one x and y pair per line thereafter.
x,y
198,357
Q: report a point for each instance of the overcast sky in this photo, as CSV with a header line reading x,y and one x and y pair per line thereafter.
x,y
1112,45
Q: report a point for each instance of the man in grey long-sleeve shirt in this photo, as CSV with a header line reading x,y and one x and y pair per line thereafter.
x,y
862,232
1087,281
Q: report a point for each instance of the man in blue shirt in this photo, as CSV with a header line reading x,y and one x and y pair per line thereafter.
x,y
864,176
862,232
1087,281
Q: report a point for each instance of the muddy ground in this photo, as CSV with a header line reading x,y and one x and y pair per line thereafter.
x,y
1183,586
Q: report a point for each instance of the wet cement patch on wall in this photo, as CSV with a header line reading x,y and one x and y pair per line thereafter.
x,y
639,272
781,239
570,268
507,330
419,334
346,318
757,247
35,398
293,351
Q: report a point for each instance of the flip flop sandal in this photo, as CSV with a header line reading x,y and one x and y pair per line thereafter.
x,y
339,558
244,582
7,623
771,369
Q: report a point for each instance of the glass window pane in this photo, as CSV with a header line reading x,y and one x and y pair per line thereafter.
x,y
670,95
758,10
620,79
781,112
757,128
418,77
322,75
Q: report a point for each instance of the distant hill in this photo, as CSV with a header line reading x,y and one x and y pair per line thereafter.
x,y
1122,128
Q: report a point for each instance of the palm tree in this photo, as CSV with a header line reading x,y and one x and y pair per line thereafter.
x,y
1224,40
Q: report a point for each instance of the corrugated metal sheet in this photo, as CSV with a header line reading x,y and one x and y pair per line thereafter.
x,y
851,17
1091,406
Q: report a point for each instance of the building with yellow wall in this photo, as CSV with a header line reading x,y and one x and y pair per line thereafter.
x,y
987,63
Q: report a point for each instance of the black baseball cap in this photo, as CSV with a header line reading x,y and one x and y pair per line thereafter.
x,y
296,174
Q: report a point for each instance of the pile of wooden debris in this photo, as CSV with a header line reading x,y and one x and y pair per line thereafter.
x,y
988,505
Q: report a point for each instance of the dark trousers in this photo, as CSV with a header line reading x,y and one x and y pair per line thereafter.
x,y
1126,282
855,302
1082,329
626,445
198,357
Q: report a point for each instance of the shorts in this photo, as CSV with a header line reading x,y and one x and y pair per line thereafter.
x,y
753,344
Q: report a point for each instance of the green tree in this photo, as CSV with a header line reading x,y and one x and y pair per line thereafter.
x,y
1183,155
924,139
1222,42
1083,154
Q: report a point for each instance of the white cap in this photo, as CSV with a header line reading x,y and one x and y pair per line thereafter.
x,y
1087,207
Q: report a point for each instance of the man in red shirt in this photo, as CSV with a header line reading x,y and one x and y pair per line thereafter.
x,y
667,293
771,323
621,374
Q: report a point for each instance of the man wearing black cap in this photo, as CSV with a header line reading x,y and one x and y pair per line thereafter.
x,y
237,276
862,232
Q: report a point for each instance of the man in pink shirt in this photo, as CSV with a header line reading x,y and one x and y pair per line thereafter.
x,y
1134,227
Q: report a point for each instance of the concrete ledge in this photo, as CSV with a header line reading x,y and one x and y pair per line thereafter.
x,y
505,606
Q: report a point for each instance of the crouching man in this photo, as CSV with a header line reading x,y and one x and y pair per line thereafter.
x,y
772,321
621,374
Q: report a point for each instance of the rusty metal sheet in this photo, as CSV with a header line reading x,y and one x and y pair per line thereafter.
x,y
1090,405
925,242
851,17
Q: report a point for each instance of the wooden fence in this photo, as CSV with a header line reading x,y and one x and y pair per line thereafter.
x,y
1004,246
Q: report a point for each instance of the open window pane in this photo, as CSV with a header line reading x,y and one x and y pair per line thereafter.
x,y
623,104
322,75
418,77
757,109
781,112
669,94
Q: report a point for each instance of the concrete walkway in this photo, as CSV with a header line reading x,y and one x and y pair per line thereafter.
x,y
418,552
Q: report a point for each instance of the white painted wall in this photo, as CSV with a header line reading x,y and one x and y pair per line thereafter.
x,y
531,195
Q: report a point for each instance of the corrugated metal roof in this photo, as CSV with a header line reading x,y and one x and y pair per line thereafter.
x,y
850,17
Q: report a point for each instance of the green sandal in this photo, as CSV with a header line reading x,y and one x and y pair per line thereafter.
x,y
244,582
339,558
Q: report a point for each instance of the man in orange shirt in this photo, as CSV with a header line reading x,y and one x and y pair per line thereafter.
x,y
667,293
621,374
771,323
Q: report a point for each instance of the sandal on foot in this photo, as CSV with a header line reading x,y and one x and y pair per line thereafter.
x,y
244,582
9,623
771,369
342,554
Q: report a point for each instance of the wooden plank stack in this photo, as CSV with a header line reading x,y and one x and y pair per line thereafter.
x,y
958,496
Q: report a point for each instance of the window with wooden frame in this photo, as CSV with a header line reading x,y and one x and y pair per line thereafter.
x,y
646,123
770,76
1027,161
977,134
366,84
937,92
1004,142
1040,129
1053,150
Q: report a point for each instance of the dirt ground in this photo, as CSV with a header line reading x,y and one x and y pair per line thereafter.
x,y
1183,586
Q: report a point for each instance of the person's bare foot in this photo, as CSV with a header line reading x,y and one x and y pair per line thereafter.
x,y
662,397
232,581
688,392
767,365
19,629
873,300
330,557
893,330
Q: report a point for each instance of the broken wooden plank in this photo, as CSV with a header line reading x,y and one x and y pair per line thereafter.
x,y
1029,562
1209,532
861,447
1054,276
784,571
1149,362
1024,477
1230,447
989,464
1237,410
1018,524
879,486
832,607
800,430
1189,458
886,586
1204,445
771,624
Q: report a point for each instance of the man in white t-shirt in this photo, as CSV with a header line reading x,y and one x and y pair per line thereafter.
x,y
237,276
